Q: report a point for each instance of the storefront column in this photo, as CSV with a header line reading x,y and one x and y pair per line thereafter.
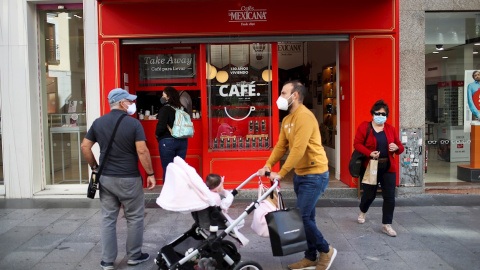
x,y
21,121
374,76
109,52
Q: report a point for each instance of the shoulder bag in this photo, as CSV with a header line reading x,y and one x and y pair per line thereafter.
x,y
95,177
355,164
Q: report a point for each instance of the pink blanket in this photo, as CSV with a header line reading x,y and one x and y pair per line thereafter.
x,y
184,190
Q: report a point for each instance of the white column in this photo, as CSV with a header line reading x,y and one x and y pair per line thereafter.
x,y
92,73
20,102
20,160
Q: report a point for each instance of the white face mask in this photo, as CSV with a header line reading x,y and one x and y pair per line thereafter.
x,y
282,103
131,109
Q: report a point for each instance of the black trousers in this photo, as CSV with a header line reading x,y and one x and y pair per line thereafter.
x,y
387,181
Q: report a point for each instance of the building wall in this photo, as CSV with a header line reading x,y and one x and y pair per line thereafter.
x,y
22,127
412,57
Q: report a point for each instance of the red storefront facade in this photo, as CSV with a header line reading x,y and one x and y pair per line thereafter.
x,y
367,64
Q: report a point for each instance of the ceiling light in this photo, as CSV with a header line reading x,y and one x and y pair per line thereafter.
x,y
435,52
267,75
444,57
439,47
222,76
478,44
211,72
475,52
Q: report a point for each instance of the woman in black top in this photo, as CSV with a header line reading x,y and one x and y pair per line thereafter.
x,y
169,147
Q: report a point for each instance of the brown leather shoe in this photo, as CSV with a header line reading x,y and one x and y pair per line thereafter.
x,y
326,259
303,264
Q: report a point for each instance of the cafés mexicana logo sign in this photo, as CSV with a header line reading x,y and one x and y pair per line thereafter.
x,y
247,16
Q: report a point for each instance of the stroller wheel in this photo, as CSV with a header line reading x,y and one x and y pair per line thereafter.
x,y
248,265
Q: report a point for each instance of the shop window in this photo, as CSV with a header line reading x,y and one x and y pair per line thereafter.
x,y
239,94
63,94
452,43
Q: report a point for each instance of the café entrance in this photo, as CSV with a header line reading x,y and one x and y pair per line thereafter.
x,y
234,112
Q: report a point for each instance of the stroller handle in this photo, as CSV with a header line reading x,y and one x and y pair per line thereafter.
x,y
269,191
275,184
235,191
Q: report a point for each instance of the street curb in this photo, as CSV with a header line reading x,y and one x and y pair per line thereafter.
x,y
251,194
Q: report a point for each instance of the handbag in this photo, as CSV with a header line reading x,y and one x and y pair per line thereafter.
x,y
93,185
357,158
259,223
286,229
370,176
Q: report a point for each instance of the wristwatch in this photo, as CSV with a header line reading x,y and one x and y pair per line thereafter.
x,y
151,174
94,168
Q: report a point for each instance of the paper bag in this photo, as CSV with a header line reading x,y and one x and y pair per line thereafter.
x,y
370,176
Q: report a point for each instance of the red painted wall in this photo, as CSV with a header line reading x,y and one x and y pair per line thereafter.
x,y
109,53
346,145
374,72
136,19
368,63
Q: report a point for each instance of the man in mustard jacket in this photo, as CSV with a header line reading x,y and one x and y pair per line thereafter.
x,y
300,134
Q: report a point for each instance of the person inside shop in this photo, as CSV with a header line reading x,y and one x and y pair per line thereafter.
x,y
169,147
121,183
471,89
301,135
382,144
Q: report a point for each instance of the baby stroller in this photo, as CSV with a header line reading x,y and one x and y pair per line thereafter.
x,y
203,246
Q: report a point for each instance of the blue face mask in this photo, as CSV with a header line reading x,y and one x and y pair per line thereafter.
x,y
379,119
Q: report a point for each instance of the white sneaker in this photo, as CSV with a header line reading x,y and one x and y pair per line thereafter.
x,y
361,217
387,228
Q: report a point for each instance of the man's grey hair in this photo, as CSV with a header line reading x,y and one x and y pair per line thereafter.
x,y
115,105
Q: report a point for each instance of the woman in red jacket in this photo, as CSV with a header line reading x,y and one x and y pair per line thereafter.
x,y
382,143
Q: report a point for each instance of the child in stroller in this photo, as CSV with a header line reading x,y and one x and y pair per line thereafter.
x,y
222,197
209,249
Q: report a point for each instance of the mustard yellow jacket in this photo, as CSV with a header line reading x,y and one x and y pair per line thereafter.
x,y
300,133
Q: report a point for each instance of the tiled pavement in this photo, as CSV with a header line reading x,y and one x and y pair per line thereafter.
x,y
434,232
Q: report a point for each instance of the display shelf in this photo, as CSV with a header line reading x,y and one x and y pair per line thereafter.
x,y
329,85
450,103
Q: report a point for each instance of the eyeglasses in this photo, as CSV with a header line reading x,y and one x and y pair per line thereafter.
x,y
380,113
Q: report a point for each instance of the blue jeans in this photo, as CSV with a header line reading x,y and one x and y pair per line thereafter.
x,y
308,189
169,148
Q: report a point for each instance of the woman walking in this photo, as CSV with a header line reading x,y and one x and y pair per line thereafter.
x,y
382,143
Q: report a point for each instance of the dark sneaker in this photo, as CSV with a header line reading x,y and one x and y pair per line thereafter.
x,y
325,260
106,266
143,258
304,264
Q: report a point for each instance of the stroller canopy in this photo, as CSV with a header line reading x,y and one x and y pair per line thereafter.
x,y
183,189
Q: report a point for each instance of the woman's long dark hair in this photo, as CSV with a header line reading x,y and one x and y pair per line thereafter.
x,y
173,97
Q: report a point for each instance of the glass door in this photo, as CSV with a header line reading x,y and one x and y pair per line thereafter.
x,y
63,94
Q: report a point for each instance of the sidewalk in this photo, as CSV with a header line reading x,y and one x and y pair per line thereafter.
x,y
434,232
